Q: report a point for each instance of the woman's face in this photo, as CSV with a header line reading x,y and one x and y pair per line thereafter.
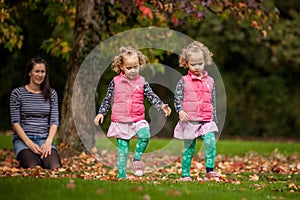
x,y
131,67
38,74
196,63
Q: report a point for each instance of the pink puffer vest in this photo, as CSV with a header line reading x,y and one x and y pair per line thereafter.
x,y
197,101
128,100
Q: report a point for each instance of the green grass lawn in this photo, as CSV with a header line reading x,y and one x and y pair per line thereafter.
x,y
5,142
36,188
269,186
227,147
238,147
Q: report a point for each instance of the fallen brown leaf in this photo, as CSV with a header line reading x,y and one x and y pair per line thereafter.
x,y
137,189
100,191
173,192
71,184
146,197
254,177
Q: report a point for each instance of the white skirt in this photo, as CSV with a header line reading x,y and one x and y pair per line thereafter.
x,y
126,130
192,130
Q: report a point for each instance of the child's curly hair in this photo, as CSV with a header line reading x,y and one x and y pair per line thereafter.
x,y
192,48
127,52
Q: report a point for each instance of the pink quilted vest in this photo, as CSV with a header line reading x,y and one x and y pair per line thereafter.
x,y
128,99
197,101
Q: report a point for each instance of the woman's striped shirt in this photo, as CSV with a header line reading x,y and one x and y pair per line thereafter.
x,y
33,112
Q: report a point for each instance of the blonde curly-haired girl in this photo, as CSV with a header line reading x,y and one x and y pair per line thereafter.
x,y
195,104
127,91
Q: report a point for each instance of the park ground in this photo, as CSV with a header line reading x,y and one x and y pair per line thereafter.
x,y
251,169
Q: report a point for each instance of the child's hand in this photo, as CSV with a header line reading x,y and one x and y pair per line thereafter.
x,y
183,116
166,109
98,118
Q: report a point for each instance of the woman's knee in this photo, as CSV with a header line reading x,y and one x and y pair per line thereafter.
x,y
28,159
52,161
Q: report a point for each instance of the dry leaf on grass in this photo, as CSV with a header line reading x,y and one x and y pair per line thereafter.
x,y
173,192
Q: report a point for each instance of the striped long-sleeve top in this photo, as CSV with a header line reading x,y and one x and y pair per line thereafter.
x,y
33,112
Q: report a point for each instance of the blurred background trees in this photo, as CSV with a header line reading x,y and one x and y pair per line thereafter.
x,y
255,45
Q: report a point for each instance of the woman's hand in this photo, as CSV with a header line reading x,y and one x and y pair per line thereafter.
x,y
46,149
34,147
183,116
28,142
166,109
98,118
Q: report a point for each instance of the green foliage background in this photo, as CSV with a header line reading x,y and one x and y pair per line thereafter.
x,y
260,73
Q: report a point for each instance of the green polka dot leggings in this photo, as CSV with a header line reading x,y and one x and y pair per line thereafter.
x,y
124,149
189,149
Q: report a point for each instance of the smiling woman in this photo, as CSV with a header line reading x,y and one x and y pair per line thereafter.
x,y
37,76
35,118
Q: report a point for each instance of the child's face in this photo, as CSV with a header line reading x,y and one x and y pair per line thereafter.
x,y
131,67
196,63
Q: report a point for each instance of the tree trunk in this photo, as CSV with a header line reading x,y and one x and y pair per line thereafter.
x,y
89,26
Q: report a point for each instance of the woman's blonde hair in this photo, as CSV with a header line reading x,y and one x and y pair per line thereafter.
x,y
193,48
127,52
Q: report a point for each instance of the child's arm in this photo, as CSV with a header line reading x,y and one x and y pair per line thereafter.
x,y
214,103
155,100
105,105
178,98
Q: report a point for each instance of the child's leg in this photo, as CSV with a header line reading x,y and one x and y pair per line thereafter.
x,y
189,149
210,152
123,151
142,143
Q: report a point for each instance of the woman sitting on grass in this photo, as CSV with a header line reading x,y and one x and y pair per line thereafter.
x,y
35,118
